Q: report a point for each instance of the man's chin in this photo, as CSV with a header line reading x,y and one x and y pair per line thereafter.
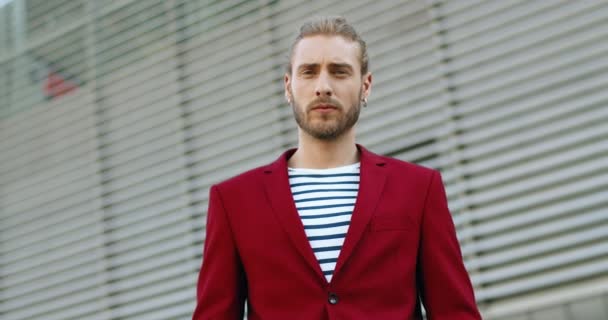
x,y
323,133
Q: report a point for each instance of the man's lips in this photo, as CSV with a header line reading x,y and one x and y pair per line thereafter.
x,y
324,107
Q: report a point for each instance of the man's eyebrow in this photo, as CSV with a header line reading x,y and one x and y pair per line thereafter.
x,y
308,65
331,65
341,65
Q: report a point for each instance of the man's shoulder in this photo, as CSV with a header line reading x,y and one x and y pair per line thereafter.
x,y
252,177
407,167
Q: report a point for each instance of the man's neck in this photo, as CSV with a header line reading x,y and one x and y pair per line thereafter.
x,y
318,154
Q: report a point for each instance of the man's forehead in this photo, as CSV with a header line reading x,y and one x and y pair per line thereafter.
x,y
322,49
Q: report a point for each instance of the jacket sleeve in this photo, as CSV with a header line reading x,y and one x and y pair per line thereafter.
x,y
444,284
221,288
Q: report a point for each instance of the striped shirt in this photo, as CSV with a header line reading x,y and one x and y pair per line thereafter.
x,y
325,199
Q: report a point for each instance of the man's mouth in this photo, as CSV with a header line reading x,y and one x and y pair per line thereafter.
x,y
324,107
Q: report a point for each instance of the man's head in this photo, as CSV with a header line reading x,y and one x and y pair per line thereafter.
x,y
327,77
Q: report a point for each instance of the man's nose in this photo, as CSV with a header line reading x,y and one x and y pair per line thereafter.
x,y
323,88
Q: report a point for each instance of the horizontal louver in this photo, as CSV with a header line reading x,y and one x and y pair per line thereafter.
x,y
51,226
148,222
529,98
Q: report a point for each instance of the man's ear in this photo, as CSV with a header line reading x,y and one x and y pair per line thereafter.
x,y
287,83
366,85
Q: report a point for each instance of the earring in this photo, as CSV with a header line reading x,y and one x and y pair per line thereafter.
x,y
364,102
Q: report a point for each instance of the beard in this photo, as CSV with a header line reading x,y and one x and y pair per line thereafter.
x,y
328,126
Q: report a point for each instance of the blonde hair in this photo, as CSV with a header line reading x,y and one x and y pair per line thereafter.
x,y
335,26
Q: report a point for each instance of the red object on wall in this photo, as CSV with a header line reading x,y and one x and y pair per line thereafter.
x,y
56,85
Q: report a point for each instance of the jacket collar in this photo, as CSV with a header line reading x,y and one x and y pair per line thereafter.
x,y
371,183
366,157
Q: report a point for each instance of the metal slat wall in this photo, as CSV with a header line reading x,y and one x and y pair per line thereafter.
x,y
118,242
5,82
104,190
529,103
6,29
148,220
51,224
230,95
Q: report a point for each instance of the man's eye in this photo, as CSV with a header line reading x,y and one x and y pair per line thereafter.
x,y
307,72
341,72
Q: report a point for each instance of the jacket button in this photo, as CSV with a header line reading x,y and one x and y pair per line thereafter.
x,y
333,298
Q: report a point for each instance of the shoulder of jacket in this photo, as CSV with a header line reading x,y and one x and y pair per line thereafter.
x,y
409,167
245,179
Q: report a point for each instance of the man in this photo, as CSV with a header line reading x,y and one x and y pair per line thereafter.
x,y
330,230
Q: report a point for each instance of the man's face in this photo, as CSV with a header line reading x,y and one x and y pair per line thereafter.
x,y
325,86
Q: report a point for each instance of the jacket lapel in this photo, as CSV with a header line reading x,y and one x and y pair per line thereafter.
x,y
278,192
371,183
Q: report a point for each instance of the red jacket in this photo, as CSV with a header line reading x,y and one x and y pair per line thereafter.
x,y
400,249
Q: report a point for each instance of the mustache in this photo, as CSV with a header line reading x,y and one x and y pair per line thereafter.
x,y
329,101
